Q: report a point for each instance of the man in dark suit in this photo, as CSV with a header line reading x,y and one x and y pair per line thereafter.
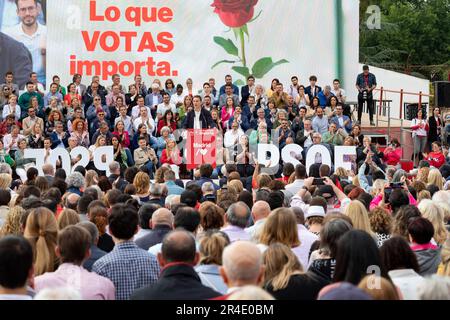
x,y
312,90
15,57
116,180
178,279
248,90
199,118
161,223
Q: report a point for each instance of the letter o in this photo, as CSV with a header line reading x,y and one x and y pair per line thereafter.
x,y
112,13
126,68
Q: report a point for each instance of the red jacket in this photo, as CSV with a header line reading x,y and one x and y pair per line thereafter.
x,y
392,157
164,158
125,138
162,123
436,159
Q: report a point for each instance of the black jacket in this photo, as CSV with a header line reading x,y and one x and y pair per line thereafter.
x,y
205,119
433,132
300,287
155,236
177,282
15,57
245,94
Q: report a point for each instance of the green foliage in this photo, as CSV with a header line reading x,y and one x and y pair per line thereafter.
x,y
227,45
414,36
264,65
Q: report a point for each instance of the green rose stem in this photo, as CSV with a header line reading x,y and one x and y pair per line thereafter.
x,y
241,36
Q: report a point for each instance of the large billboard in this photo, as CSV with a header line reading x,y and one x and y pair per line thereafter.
x,y
199,39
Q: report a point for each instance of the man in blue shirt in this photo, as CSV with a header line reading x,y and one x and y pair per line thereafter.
x,y
320,121
172,187
366,82
229,81
341,121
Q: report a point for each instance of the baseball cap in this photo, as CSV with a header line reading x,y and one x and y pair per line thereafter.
x,y
325,191
315,211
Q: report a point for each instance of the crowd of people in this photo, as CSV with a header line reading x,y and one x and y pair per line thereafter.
x,y
228,232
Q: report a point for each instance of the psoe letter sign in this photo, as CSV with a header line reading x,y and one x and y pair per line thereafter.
x,y
102,157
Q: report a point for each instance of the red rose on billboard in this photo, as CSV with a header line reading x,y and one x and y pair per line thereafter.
x,y
235,13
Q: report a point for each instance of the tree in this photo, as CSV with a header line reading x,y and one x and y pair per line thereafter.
x,y
414,37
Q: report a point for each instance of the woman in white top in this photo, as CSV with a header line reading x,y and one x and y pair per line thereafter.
x,y
100,142
420,128
302,100
260,96
12,108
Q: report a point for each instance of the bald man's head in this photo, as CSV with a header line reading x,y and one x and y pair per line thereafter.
x,y
162,216
238,214
242,264
178,246
260,210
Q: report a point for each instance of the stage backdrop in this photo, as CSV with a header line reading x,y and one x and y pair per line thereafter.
x,y
202,39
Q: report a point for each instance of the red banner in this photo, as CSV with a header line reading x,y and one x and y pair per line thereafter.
x,y
200,147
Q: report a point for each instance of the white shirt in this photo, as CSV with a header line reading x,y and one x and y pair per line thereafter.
x,y
135,111
420,131
308,142
35,43
255,230
7,139
197,123
340,91
295,186
150,123
7,110
127,122
407,281
307,238
175,99
162,108
9,13
231,136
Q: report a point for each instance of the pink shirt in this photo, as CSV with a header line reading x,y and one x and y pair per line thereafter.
x,y
90,285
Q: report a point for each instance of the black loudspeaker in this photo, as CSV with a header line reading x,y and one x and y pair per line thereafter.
x,y
411,110
442,93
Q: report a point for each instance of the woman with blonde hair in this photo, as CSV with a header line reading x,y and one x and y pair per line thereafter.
x,y
281,227
284,276
378,288
236,186
142,183
422,174
211,247
381,223
435,178
67,217
444,267
431,211
5,181
91,178
360,218
12,225
41,230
